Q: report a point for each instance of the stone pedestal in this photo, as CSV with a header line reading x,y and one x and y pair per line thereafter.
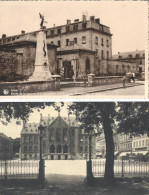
x,y
91,79
42,71
56,78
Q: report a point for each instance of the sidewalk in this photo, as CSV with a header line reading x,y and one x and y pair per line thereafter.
x,y
74,185
75,91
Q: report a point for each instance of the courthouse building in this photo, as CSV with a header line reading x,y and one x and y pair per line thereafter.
x,y
63,139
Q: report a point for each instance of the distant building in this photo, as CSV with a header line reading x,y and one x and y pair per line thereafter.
x,y
6,147
63,139
130,61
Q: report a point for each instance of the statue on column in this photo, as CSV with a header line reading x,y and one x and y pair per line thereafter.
x,y
42,20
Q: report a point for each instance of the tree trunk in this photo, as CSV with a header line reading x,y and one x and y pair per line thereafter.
x,y
109,166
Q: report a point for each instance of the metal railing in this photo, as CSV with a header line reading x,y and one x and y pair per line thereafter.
x,y
122,168
16,169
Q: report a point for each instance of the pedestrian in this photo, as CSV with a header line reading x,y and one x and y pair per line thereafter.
x,y
124,81
85,80
133,77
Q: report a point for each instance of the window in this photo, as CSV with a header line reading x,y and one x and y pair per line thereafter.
x,y
35,139
134,144
84,25
137,55
107,43
75,27
102,54
67,29
139,143
58,31
52,32
30,139
25,139
102,44
59,43
81,138
81,148
86,149
58,135
65,149
140,62
123,66
59,148
107,54
130,56
52,148
67,42
35,149
30,149
25,149
96,40
75,40
143,143
96,52
83,39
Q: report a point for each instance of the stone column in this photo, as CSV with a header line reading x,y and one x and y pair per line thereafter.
x,y
91,79
42,71
56,79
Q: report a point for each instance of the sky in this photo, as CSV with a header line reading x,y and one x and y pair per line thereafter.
x,y
13,130
126,19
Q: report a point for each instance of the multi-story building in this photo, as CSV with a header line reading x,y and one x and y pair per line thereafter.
x,y
6,147
130,61
85,46
62,139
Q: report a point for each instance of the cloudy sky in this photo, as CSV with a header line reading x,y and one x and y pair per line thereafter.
x,y
127,19
13,130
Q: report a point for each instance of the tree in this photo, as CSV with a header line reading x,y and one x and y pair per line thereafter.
x,y
126,117
99,114
22,110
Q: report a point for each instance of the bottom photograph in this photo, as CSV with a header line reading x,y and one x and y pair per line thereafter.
x,y
74,148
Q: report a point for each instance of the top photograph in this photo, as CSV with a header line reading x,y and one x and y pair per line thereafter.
x,y
74,50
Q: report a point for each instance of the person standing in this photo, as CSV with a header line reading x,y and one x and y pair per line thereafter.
x,y
124,81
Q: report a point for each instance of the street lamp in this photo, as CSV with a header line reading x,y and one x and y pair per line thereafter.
x,y
41,175
90,177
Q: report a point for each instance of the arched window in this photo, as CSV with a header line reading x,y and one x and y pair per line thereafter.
x,y
52,148
59,148
58,135
65,148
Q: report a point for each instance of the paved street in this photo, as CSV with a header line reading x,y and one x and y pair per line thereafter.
x,y
74,185
131,89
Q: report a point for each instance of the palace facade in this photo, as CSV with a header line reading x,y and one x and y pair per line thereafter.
x,y
62,139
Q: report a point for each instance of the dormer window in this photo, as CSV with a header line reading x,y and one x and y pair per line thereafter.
x,y
52,32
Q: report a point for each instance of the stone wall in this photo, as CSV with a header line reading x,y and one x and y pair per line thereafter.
x,y
8,62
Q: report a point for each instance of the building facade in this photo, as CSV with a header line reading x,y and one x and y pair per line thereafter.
x,y
135,61
62,139
6,147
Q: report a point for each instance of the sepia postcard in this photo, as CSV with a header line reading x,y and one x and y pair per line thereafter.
x,y
73,49
68,148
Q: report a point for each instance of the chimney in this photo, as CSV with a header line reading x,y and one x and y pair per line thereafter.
x,y
22,32
97,20
76,20
44,27
3,36
92,18
84,18
54,25
68,22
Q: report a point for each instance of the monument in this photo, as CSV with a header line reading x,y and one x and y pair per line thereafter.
x,y
42,69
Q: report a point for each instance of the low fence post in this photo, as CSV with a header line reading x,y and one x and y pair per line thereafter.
x,y
122,167
5,175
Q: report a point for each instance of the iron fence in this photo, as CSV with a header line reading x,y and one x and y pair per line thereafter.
x,y
122,168
12,169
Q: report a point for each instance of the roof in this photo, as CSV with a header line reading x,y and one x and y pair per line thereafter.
x,y
73,48
32,128
125,55
27,38
2,135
